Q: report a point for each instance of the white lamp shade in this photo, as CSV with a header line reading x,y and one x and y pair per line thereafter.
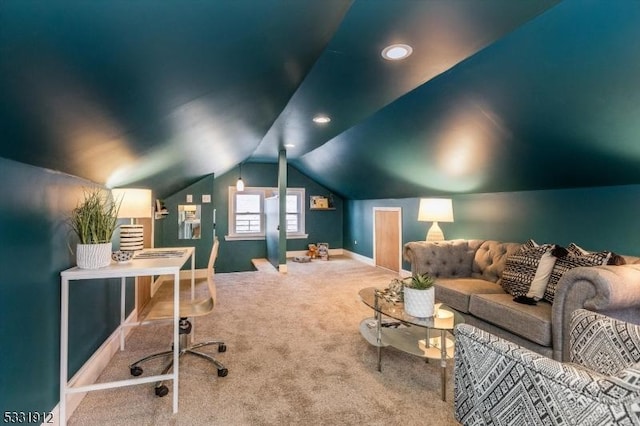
x,y
134,202
435,210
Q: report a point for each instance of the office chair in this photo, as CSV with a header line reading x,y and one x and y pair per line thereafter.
x,y
188,309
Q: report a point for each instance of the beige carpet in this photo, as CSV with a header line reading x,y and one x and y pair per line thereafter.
x,y
295,357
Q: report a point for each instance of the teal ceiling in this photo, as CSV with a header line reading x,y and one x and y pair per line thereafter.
x,y
498,95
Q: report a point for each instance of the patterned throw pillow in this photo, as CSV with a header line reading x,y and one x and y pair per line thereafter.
x,y
543,273
520,268
576,256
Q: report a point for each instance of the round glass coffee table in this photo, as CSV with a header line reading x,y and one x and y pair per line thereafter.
x,y
429,338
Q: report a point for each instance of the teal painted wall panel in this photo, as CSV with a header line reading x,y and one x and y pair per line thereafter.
x,y
35,247
602,218
322,226
166,229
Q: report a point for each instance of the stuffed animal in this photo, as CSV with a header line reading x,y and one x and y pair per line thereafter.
x,y
313,251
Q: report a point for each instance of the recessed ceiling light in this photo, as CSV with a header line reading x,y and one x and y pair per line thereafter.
x,y
289,145
321,119
395,52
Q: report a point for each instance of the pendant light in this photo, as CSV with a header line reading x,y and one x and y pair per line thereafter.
x,y
240,183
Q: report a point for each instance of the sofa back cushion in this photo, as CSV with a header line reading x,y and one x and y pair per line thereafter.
x,y
491,258
441,259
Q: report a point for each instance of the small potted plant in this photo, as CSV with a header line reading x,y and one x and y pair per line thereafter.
x,y
94,221
418,292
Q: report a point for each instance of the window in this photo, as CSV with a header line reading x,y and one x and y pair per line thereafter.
x,y
247,213
295,213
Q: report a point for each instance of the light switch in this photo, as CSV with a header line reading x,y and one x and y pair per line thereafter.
x,y
206,198
189,198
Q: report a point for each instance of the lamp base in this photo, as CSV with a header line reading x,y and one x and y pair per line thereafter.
x,y
435,233
131,237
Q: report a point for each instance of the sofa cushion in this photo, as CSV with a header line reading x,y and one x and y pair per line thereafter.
x,y
533,322
455,292
521,268
490,259
575,257
450,259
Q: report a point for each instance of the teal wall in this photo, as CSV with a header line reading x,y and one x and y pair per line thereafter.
x,y
35,248
166,229
602,218
322,226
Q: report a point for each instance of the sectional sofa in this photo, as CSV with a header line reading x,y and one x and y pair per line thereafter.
x,y
490,283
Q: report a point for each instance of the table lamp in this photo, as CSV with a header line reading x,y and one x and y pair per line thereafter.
x,y
435,210
135,204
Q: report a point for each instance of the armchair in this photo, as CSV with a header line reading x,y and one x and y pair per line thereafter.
x,y
499,382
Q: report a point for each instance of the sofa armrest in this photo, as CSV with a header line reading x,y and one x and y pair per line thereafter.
x,y
440,259
499,382
613,290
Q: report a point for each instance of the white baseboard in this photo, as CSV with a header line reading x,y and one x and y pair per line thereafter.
x,y
92,369
361,258
370,261
296,253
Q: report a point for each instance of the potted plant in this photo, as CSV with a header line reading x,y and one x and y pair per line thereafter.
x,y
418,292
94,221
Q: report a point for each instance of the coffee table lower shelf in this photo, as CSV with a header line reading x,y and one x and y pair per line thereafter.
x,y
412,340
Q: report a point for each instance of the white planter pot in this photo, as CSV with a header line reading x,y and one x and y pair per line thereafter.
x,y
419,303
93,256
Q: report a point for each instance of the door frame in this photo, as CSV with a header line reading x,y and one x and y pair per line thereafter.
x,y
373,231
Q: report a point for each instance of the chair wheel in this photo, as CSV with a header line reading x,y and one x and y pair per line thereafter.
x,y
222,348
136,371
162,391
223,372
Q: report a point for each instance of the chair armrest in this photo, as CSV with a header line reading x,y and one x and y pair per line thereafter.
x,y
615,290
499,382
602,343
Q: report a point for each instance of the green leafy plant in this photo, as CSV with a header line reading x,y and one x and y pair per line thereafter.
x,y
95,218
419,281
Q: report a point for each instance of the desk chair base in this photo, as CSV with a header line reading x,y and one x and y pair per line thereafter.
x,y
186,347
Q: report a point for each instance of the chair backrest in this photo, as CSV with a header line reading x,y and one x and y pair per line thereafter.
x,y
211,268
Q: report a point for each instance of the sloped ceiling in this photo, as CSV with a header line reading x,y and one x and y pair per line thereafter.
x,y
498,95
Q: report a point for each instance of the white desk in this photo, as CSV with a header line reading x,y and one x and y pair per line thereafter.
x,y
136,268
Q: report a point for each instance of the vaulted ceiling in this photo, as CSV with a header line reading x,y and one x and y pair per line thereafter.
x,y
498,95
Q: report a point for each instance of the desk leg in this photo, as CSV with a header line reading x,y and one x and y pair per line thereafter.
x,y
176,337
193,275
64,355
123,288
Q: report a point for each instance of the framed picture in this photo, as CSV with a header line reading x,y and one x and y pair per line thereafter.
x,y
318,202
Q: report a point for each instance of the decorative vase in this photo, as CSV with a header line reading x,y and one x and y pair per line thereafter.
x,y
419,303
93,256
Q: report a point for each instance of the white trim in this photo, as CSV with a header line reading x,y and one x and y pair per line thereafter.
x,y
295,253
361,258
369,261
92,368
265,193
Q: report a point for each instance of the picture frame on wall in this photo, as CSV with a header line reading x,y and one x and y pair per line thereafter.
x,y
318,202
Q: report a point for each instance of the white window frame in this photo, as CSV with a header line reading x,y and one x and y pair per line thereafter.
x,y
302,212
232,234
264,193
